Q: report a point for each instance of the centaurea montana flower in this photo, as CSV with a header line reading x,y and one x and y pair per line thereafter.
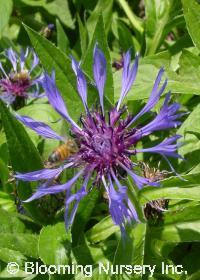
x,y
105,146
18,83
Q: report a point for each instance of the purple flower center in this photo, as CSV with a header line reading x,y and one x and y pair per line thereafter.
x,y
16,84
103,144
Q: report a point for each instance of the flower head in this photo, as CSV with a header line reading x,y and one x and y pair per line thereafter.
x,y
18,83
106,142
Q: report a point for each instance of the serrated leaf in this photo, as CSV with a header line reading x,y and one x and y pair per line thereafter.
x,y
8,255
10,223
4,274
54,244
22,242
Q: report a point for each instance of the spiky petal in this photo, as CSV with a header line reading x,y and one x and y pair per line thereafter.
x,y
81,82
128,76
107,146
99,72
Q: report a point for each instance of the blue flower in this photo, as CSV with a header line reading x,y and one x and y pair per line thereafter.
x,y
18,83
105,145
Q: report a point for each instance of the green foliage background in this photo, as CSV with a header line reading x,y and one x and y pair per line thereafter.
x,y
165,33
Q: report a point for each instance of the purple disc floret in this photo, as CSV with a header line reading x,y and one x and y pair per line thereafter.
x,y
18,83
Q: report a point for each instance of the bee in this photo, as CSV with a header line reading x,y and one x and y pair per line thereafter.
x,y
47,31
22,76
118,64
154,174
63,151
153,209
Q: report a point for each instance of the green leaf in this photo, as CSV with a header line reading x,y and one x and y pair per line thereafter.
x,y
177,21
54,244
92,254
95,275
83,35
143,84
6,203
22,242
191,11
62,40
183,226
147,73
23,155
191,148
190,193
173,188
102,230
123,34
4,274
159,14
53,59
100,38
8,255
182,84
103,7
135,21
5,12
133,245
10,223
58,8
85,209
4,172
189,65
